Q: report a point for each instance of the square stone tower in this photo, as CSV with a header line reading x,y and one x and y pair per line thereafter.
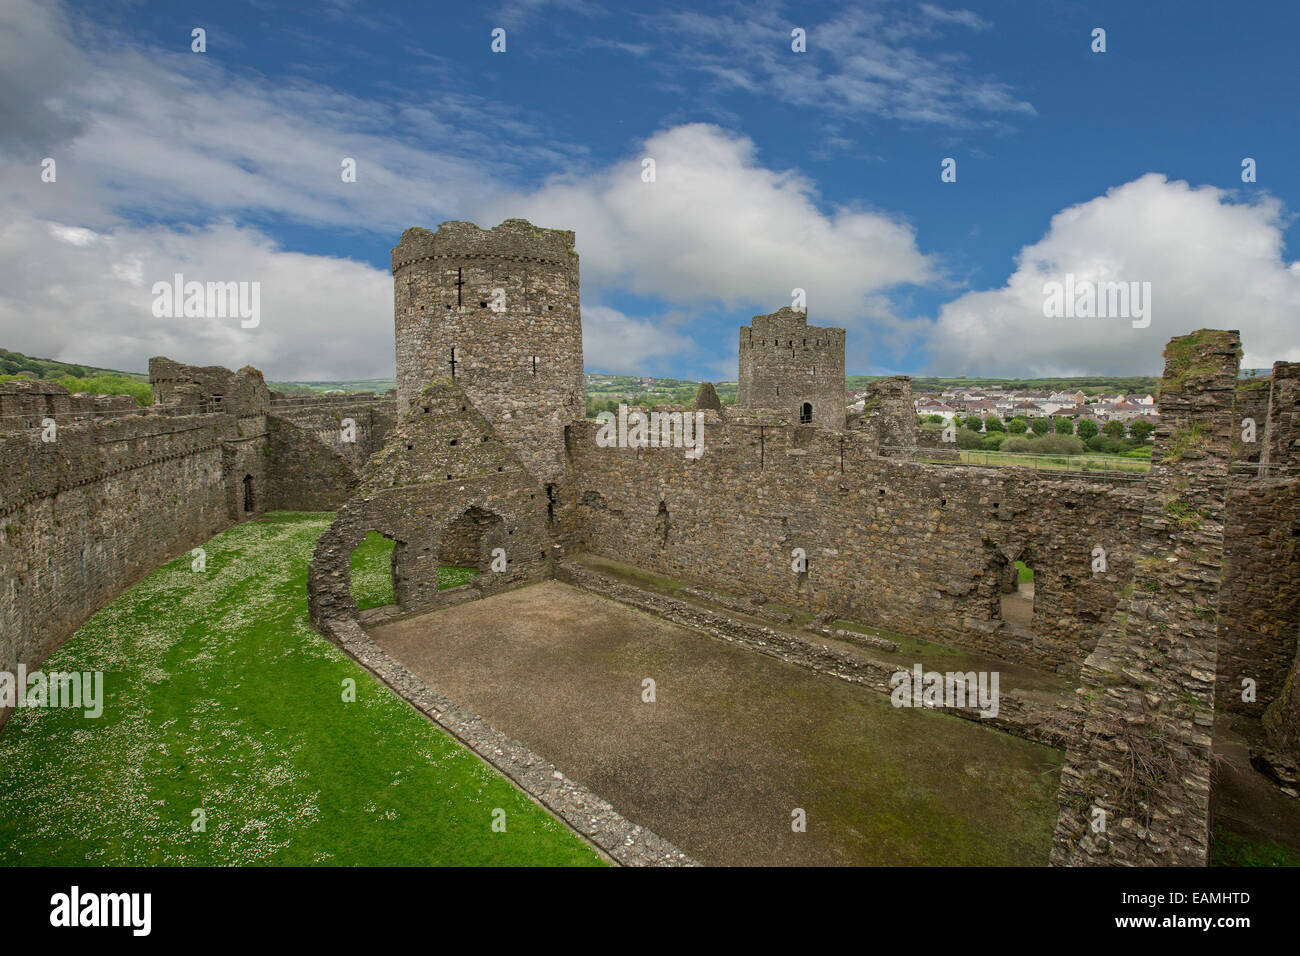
x,y
787,364
497,311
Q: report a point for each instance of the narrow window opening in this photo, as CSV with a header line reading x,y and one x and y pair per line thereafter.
x,y
805,413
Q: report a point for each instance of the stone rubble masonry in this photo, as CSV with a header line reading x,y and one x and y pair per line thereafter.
x,y
441,469
486,449
1282,726
706,398
89,514
1282,441
522,366
920,549
444,482
932,447
1270,594
1144,756
1259,603
889,417
315,468
785,363
25,403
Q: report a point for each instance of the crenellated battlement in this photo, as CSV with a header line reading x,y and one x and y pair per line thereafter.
x,y
515,240
785,363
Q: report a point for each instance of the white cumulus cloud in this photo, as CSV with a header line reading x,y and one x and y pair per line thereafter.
x,y
1213,259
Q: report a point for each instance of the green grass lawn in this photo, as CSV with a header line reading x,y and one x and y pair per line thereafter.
x,y
1232,849
372,573
219,696
1024,573
1088,462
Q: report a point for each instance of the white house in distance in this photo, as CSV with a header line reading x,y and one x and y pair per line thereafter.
x,y
931,407
1122,411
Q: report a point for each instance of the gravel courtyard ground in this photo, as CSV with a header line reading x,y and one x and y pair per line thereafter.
x,y
735,740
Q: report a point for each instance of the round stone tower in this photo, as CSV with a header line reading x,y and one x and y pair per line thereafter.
x,y
797,368
497,311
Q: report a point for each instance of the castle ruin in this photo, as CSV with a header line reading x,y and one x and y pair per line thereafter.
x,y
484,458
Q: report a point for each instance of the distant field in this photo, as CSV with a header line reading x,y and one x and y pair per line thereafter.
x,y
1109,463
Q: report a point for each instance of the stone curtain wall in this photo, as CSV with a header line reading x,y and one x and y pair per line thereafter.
x,y
785,362
87,515
1143,759
313,468
921,549
521,367
123,489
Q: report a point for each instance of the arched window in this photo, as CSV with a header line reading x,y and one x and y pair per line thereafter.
x,y
805,414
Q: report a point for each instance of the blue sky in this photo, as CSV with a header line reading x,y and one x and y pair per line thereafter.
x,y
818,170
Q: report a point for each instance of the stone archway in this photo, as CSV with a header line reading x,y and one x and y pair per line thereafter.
x,y
1011,567
467,541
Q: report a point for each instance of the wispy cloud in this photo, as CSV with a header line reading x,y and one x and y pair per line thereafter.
x,y
862,62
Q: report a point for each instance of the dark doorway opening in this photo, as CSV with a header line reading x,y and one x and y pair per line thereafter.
x,y
467,542
248,493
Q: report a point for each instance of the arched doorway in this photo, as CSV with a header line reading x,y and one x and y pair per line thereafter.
x,y
466,545
248,494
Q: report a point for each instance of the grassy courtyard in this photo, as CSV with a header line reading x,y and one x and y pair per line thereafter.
x,y
220,698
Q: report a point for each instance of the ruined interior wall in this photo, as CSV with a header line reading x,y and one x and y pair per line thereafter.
x,y
1282,438
1282,719
889,416
1259,603
1252,402
443,480
1142,765
920,549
